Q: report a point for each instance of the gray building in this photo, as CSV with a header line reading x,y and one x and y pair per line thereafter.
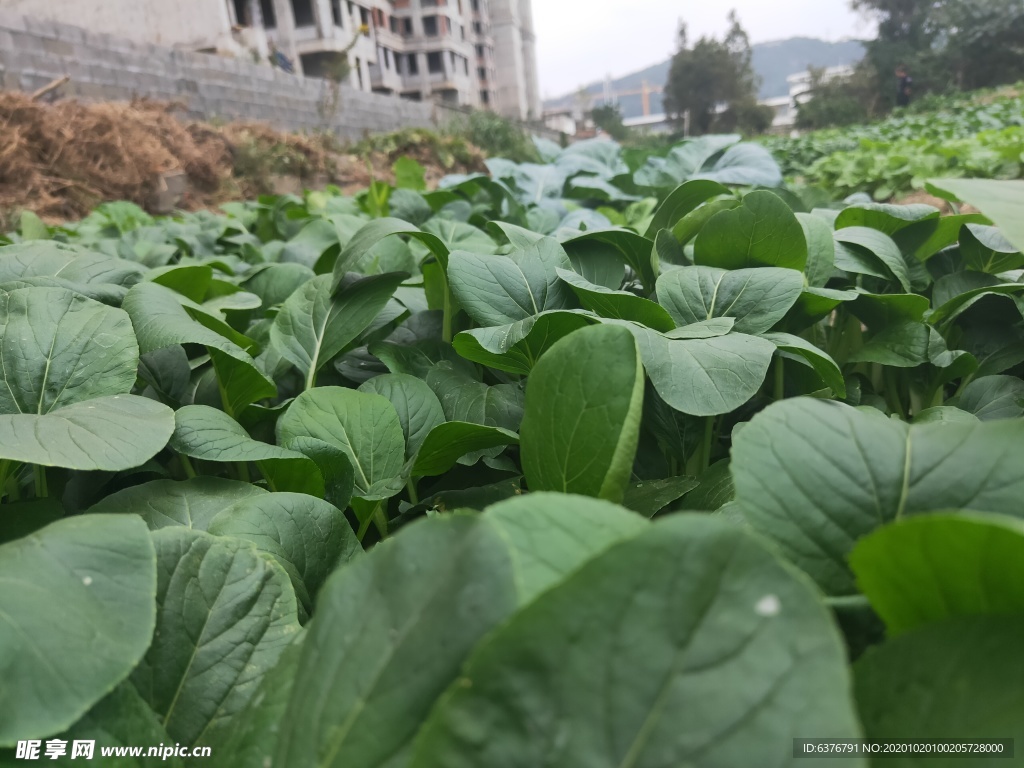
x,y
477,53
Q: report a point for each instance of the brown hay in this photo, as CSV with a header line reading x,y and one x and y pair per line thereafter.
x,y
61,160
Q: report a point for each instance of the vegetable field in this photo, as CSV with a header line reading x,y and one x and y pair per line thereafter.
x,y
962,137
621,459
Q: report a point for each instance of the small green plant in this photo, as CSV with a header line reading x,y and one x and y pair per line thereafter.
x,y
497,136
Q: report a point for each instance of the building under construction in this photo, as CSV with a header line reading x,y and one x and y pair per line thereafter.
x,y
475,53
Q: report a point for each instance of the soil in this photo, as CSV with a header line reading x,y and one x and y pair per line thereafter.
x,y
60,160
921,197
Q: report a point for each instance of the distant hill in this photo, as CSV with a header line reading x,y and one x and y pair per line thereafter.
x,y
773,62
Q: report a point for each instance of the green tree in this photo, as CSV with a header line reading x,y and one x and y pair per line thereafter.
x,y
836,101
946,44
608,117
713,81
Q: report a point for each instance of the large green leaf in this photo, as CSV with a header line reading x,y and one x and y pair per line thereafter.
x,y
308,537
584,401
274,283
251,737
550,535
930,568
649,497
365,426
796,348
954,294
449,442
205,433
463,398
516,348
46,263
93,578
757,298
868,251
459,236
1001,201
728,657
390,634
816,476
161,321
58,349
683,200
993,397
122,719
959,679
372,234
224,615
888,219
417,358
498,290
617,304
108,433
711,374
821,249
314,326
418,408
188,503
360,697
901,345
985,249
683,161
763,232
632,249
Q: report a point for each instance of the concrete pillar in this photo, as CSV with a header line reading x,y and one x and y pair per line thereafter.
x,y
286,32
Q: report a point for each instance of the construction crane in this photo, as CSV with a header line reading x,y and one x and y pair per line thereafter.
x,y
645,91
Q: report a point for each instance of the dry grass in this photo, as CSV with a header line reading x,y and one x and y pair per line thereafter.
x,y
61,160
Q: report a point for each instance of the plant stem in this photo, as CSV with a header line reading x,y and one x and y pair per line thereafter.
x,y
446,322
39,472
963,385
780,378
892,392
381,521
709,442
5,472
186,465
266,475
364,526
14,489
411,487
673,466
242,470
364,523
311,378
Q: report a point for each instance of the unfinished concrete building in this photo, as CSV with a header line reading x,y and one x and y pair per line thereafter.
x,y
477,53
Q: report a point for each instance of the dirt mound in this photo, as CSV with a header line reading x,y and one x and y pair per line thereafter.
x,y
61,160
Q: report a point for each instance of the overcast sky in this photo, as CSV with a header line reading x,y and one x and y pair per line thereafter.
x,y
580,41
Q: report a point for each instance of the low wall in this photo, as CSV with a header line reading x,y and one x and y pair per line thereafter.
x,y
34,52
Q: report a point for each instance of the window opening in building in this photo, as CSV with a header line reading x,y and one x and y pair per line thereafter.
x,y
336,13
430,26
269,16
304,15
435,63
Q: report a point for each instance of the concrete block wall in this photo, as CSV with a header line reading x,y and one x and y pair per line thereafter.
x,y
34,52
